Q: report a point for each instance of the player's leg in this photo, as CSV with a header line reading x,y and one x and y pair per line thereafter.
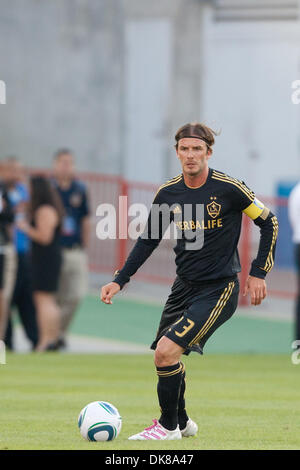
x,y
180,297
213,305
167,355
186,425
169,371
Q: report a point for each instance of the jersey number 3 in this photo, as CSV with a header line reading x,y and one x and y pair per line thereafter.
x,y
186,328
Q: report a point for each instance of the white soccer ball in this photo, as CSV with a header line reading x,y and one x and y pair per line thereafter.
x,y
99,421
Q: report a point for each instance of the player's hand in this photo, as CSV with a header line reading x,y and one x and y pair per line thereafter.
x,y
257,289
108,291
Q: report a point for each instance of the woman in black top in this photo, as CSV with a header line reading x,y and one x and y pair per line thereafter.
x,y
46,213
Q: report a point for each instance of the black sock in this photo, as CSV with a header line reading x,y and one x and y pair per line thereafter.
x,y
182,415
168,387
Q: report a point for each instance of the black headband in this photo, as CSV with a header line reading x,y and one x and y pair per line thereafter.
x,y
189,135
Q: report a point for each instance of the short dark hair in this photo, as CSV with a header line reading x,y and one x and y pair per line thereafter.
x,y
62,151
198,131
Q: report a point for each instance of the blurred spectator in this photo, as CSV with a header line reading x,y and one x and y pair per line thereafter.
x,y
294,217
7,252
22,295
74,239
46,214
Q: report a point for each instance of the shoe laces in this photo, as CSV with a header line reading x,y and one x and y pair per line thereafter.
x,y
155,423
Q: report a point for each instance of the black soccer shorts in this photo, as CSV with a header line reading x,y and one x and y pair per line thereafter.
x,y
192,314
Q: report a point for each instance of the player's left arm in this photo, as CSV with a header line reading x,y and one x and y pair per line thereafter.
x,y
264,261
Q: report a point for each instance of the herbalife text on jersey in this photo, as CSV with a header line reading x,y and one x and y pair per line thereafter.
x,y
187,222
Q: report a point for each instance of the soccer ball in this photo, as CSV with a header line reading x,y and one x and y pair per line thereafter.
x,y
99,421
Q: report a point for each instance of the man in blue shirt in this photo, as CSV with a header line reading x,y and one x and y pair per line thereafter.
x,y
74,239
22,294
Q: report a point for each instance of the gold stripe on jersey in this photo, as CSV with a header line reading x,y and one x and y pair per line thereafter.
x,y
270,260
235,180
215,312
174,180
240,187
255,209
237,183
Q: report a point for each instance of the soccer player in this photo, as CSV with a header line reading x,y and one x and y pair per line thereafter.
x,y
205,204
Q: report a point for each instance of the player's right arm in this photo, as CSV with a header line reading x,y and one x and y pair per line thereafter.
x,y
267,222
141,251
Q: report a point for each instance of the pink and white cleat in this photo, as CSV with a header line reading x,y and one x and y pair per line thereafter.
x,y
156,432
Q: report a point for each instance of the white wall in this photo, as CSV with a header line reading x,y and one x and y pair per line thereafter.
x,y
249,69
148,52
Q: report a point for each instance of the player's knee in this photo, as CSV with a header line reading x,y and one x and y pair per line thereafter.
x,y
163,357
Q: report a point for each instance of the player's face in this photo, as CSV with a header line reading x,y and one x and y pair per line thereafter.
x,y
193,155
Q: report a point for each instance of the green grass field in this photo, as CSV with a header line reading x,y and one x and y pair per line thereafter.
x,y
239,401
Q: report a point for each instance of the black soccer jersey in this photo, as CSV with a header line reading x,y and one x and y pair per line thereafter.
x,y
208,223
